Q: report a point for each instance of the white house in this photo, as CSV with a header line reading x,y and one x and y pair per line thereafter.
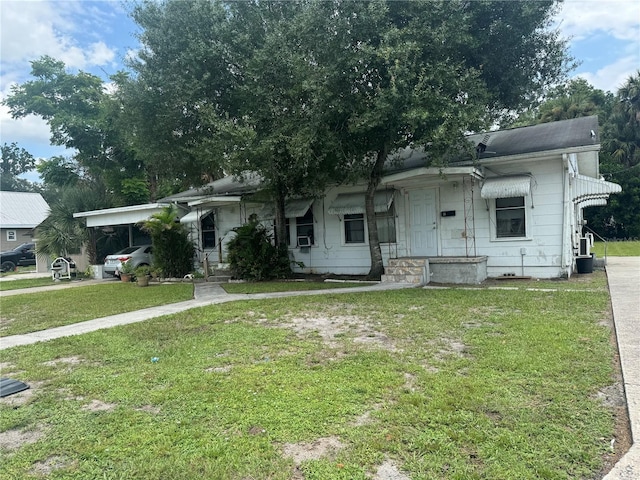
x,y
516,210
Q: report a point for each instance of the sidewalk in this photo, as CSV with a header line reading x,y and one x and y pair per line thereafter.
x,y
624,285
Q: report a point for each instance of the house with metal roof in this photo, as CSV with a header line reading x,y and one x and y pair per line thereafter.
x,y
514,209
20,214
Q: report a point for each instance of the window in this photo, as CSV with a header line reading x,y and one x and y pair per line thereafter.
x,y
304,226
386,222
208,227
354,228
11,236
510,217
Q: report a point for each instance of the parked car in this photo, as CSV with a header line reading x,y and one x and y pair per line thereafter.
x,y
137,256
23,255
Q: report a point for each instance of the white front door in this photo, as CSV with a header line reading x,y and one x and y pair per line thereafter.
x,y
423,225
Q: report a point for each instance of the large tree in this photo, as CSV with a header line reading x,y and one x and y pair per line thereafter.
x,y
238,91
298,91
15,161
420,74
619,118
621,163
82,116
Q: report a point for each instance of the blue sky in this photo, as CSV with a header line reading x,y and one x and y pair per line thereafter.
x,y
96,35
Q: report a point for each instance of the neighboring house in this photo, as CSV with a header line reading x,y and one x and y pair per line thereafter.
x,y
20,214
516,210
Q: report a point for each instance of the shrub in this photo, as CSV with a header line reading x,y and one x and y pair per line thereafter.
x,y
172,250
252,255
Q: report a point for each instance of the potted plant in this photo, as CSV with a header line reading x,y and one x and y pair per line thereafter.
x,y
126,271
143,273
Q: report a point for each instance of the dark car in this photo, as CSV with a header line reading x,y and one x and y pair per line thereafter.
x,y
23,255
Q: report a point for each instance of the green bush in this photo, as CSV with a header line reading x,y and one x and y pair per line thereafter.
x,y
252,255
172,250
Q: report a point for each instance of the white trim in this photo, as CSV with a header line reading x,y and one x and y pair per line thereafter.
x,y
130,208
493,226
436,172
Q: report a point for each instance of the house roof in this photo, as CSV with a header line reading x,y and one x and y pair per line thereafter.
x,y
230,185
22,210
576,132
545,137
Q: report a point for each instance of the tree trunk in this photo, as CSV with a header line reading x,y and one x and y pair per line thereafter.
x,y
280,226
377,267
92,245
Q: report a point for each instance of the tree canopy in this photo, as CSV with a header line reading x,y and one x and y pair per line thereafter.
x,y
308,92
619,118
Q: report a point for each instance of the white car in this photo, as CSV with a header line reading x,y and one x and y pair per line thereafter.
x,y
137,255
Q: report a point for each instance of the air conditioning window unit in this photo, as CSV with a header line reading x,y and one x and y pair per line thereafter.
x,y
304,242
586,242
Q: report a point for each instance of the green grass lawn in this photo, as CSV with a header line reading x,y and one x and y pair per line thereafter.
x,y
617,249
27,283
41,310
442,384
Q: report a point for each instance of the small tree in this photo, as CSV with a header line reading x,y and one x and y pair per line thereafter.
x,y
253,256
172,250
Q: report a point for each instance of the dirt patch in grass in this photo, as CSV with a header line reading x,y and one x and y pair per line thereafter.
x,y
99,406
14,439
389,471
332,327
48,466
149,409
65,360
321,448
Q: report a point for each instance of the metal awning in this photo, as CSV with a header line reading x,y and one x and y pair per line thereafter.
x,y
195,215
217,200
588,190
353,203
293,208
506,187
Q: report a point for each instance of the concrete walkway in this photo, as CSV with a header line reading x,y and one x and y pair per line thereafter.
x,y
624,284
205,294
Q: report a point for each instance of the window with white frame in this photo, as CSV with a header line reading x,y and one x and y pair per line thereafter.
x,y
353,228
11,236
208,228
510,217
304,227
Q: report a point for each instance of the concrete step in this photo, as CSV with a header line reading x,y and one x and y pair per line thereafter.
x,y
397,270
413,279
408,262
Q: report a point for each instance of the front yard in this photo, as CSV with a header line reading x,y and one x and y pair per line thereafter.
x,y
419,383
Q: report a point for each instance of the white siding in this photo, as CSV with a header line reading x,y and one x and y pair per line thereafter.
x,y
539,255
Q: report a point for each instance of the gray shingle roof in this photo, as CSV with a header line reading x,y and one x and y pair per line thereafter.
x,y
577,132
22,210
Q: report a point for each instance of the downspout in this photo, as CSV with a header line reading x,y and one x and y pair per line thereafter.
x,y
567,247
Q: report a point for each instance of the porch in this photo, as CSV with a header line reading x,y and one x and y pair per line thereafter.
x,y
423,270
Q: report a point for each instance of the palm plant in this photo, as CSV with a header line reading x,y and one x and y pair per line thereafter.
x,y
61,235
172,250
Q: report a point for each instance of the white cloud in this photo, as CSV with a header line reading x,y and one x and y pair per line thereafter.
x,y
32,29
611,77
582,18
